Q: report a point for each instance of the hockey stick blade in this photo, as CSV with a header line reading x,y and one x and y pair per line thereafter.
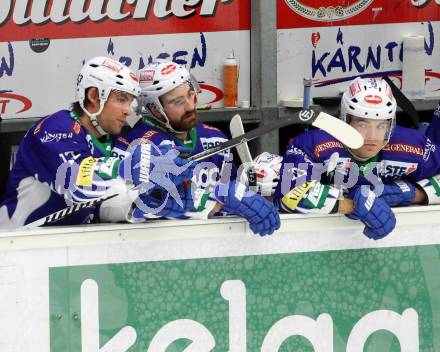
x,y
342,131
403,102
236,128
61,214
346,134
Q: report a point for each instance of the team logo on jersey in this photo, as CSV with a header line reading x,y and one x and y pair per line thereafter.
x,y
395,169
328,10
39,125
373,99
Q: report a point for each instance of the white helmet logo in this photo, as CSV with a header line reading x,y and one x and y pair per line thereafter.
x,y
112,65
168,69
373,99
146,76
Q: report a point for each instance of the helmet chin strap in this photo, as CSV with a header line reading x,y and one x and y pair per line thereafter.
x,y
94,118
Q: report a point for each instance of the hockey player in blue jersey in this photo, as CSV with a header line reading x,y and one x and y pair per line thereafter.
x,y
433,130
396,165
66,157
169,97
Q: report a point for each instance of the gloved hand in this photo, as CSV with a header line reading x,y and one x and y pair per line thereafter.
x,y
161,203
398,193
263,218
149,166
374,212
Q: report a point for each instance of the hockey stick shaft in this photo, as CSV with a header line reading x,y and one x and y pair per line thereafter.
x,y
337,128
61,214
403,102
307,83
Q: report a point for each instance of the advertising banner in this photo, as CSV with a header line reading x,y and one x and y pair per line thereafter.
x,y
333,56
327,13
337,41
44,43
317,284
332,301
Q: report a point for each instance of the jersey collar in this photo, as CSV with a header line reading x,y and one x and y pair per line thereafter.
x,y
188,144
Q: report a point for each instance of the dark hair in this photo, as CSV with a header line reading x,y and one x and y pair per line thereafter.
x,y
76,107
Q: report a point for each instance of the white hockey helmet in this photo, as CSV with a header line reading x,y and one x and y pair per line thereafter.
x,y
158,78
267,169
106,75
369,98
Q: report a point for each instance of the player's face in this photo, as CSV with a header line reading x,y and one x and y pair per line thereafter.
x,y
116,110
180,107
374,133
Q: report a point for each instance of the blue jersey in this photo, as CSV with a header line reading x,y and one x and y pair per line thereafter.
x,y
201,137
433,130
58,163
408,155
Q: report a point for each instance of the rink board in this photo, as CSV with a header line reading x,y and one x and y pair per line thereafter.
x,y
317,283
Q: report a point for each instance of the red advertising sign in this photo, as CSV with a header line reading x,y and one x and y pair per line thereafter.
x,y
27,19
323,13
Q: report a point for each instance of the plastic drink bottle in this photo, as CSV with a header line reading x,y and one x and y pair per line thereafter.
x,y
230,81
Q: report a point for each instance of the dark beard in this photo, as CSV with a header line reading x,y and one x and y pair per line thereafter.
x,y
184,123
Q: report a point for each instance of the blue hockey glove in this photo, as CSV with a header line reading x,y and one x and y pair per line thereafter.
x,y
374,212
398,193
161,203
149,166
258,211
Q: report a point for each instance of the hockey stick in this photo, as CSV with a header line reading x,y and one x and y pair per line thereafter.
x,y
336,127
237,129
61,214
307,83
343,132
403,102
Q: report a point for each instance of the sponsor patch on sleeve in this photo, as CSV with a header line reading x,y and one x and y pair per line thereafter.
x,y
294,196
86,171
